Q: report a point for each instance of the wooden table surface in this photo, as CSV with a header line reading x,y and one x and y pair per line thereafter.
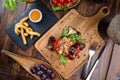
x,y
108,67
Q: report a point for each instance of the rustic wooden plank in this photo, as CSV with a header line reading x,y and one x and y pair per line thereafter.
x,y
6,43
114,69
1,9
103,65
113,4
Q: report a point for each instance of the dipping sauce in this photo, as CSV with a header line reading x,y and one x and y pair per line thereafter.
x,y
35,15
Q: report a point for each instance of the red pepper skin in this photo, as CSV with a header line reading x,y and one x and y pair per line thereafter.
x,y
78,49
56,44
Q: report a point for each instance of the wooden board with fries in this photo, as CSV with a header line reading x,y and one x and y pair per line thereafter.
x,y
24,32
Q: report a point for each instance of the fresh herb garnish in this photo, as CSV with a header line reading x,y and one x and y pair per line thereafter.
x,y
65,33
63,59
72,34
72,37
76,37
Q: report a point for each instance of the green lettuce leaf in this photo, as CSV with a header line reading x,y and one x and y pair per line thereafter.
x,y
63,59
65,33
76,37
56,8
10,4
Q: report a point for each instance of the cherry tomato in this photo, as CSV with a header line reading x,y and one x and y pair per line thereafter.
x,y
59,4
71,56
61,1
68,1
56,44
65,3
54,2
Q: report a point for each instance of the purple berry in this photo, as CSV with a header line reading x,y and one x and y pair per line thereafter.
x,y
47,78
52,75
49,71
33,70
39,73
43,67
43,77
37,67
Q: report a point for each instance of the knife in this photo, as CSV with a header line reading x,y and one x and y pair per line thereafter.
x,y
96,62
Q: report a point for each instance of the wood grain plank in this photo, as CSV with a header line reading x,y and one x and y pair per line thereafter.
x,y
7,63
1,9
114,69
103,65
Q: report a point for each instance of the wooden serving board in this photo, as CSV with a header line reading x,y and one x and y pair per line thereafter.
x,y
88,27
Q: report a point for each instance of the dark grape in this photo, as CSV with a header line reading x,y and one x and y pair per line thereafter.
x,y
45,68
37,67
41,66
49,71
33,70
47,78
72,49
43,77
52,75
39,73
43,72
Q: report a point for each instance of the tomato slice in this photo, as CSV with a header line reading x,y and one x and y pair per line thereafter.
x,y
56,45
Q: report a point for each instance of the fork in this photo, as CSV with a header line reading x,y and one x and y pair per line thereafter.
x,y
91,53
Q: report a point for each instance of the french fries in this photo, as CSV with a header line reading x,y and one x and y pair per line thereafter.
x,y
22,28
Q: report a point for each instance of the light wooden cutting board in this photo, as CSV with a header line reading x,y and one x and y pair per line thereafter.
x,y
88,27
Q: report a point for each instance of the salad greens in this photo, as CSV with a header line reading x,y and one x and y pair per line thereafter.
x,y
72,35
11,4
65,32
56,8
63,59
